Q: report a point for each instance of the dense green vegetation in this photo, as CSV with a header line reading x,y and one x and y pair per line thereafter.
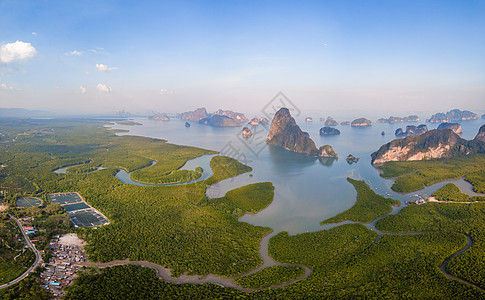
x,y
247,199
164,225
398,168
270,276
450,192
29,288
225,167
14,258
429,172
136,282
368,207
453,217
477,179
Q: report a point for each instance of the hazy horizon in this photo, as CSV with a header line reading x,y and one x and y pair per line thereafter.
x,y
385,58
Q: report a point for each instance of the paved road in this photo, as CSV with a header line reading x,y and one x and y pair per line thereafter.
x,y
37,257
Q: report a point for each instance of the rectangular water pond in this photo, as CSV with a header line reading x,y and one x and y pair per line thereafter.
x,y
77,206
87,218
65,198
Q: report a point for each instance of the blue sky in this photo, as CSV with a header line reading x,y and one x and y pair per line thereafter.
x,y
173,56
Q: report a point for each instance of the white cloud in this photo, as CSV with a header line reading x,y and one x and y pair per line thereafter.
x,y
82,89
16,51
98,51
74,53
5,87
103,88
34,33
166,92
104,68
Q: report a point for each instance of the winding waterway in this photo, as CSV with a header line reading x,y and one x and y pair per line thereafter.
x,y
307,190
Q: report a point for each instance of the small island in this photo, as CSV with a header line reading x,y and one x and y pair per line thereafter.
x,y
159,117
329,131
345,123
412,130
330,122
361,122
351,159
246,133
220,121
452,116
392,120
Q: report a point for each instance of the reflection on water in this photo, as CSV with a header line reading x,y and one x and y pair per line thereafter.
x,y
307,189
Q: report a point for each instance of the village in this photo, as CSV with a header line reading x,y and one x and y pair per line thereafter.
x,y
67,258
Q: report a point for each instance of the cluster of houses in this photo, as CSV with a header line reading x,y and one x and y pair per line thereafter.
x,y
63,265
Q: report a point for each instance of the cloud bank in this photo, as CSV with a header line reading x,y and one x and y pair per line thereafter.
x,y
103,88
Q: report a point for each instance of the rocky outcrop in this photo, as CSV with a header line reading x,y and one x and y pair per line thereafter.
x,y
443,143
412,130
483,116
308,119
456,127
361,122
246,133
329,131
330,122
392,120
196,115
255,121
220,121
187,124
351,159
231,114
480,137
383,133
345,123
452,116
327,151
159,117
285,133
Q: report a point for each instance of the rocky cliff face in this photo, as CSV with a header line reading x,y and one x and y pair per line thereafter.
x,y
360,122
452,116
220,121
329,131
481,135
443,143
285,133
196,115
412,130
456,127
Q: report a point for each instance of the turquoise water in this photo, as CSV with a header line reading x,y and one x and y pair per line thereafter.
x,y
307,190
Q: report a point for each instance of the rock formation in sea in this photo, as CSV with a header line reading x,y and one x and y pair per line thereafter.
x,y
196,115
308,119
360,122
392,120
329,131
187,124
383,133
351,159
231,114
256,121
456,127
159,117
345,123
285,133
246,133
220,121
330,122
452,116
412,130
443,143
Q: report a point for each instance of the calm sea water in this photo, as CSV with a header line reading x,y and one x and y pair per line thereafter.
x,y
307,190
